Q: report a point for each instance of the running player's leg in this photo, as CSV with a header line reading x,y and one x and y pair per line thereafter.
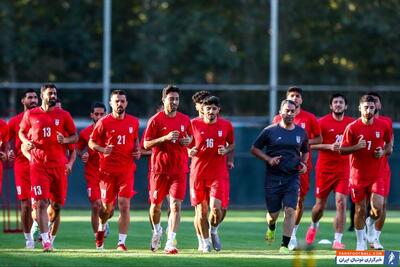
x,y
316,214
359,223
340,220
376,214
215,221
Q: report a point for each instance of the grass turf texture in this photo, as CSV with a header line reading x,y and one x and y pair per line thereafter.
x,y
242,235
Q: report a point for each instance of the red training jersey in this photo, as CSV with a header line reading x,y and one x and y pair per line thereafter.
x,y
332,132
3,132
385,166
207,163
169,158
13,125
43,127
123,135
93,161
363,165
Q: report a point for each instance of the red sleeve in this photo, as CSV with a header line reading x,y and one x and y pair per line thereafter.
x,y
71,147
189,129
82,142
69,125
388,134
151,130
141,142
230,137
97,133
11,129
25,123
315,129
347,137
4,132
137,127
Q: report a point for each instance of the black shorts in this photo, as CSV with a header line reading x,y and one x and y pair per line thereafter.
x,y
281,192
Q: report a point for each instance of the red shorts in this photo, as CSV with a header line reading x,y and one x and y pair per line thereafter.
x,y
304,183
203,189
117,184
93,184
382,186
162,185
49,183
1,178
22,180
328,181
361,190
225,195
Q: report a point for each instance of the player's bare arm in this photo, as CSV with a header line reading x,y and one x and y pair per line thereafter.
x,y
316,140
350,149
303,162
137,151
105,150
223,150
72,139
385,151
230,160
331,147
171,136
71,161
261,155
193,152
185,141
25,141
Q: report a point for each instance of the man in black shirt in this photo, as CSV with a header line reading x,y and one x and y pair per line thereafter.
x,y
286,154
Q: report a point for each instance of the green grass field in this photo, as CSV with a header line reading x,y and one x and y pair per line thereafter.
x,y
242,235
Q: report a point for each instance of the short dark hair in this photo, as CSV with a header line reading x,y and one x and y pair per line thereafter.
x,y
46,86
27,91
375,94
337,95
97,105
367,98
168,89
294,89
287,101
199,96
117,92
211,100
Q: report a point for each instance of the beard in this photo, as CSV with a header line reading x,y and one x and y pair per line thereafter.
x,y
52,102
120,110
32,105
338,113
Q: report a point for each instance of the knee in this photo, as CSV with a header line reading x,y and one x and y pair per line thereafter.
x,y
123,206
41,205
360,210
155,208
340,204
56,207
290,212
96,206
175,207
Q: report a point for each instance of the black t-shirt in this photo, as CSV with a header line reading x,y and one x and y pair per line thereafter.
x,y
279,141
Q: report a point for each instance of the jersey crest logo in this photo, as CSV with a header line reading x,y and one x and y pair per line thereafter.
x,y
298,139
303,125
130,130
377,134
182,128
219,133
57,122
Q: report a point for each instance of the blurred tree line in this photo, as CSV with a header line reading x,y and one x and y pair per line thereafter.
x,y
332,42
